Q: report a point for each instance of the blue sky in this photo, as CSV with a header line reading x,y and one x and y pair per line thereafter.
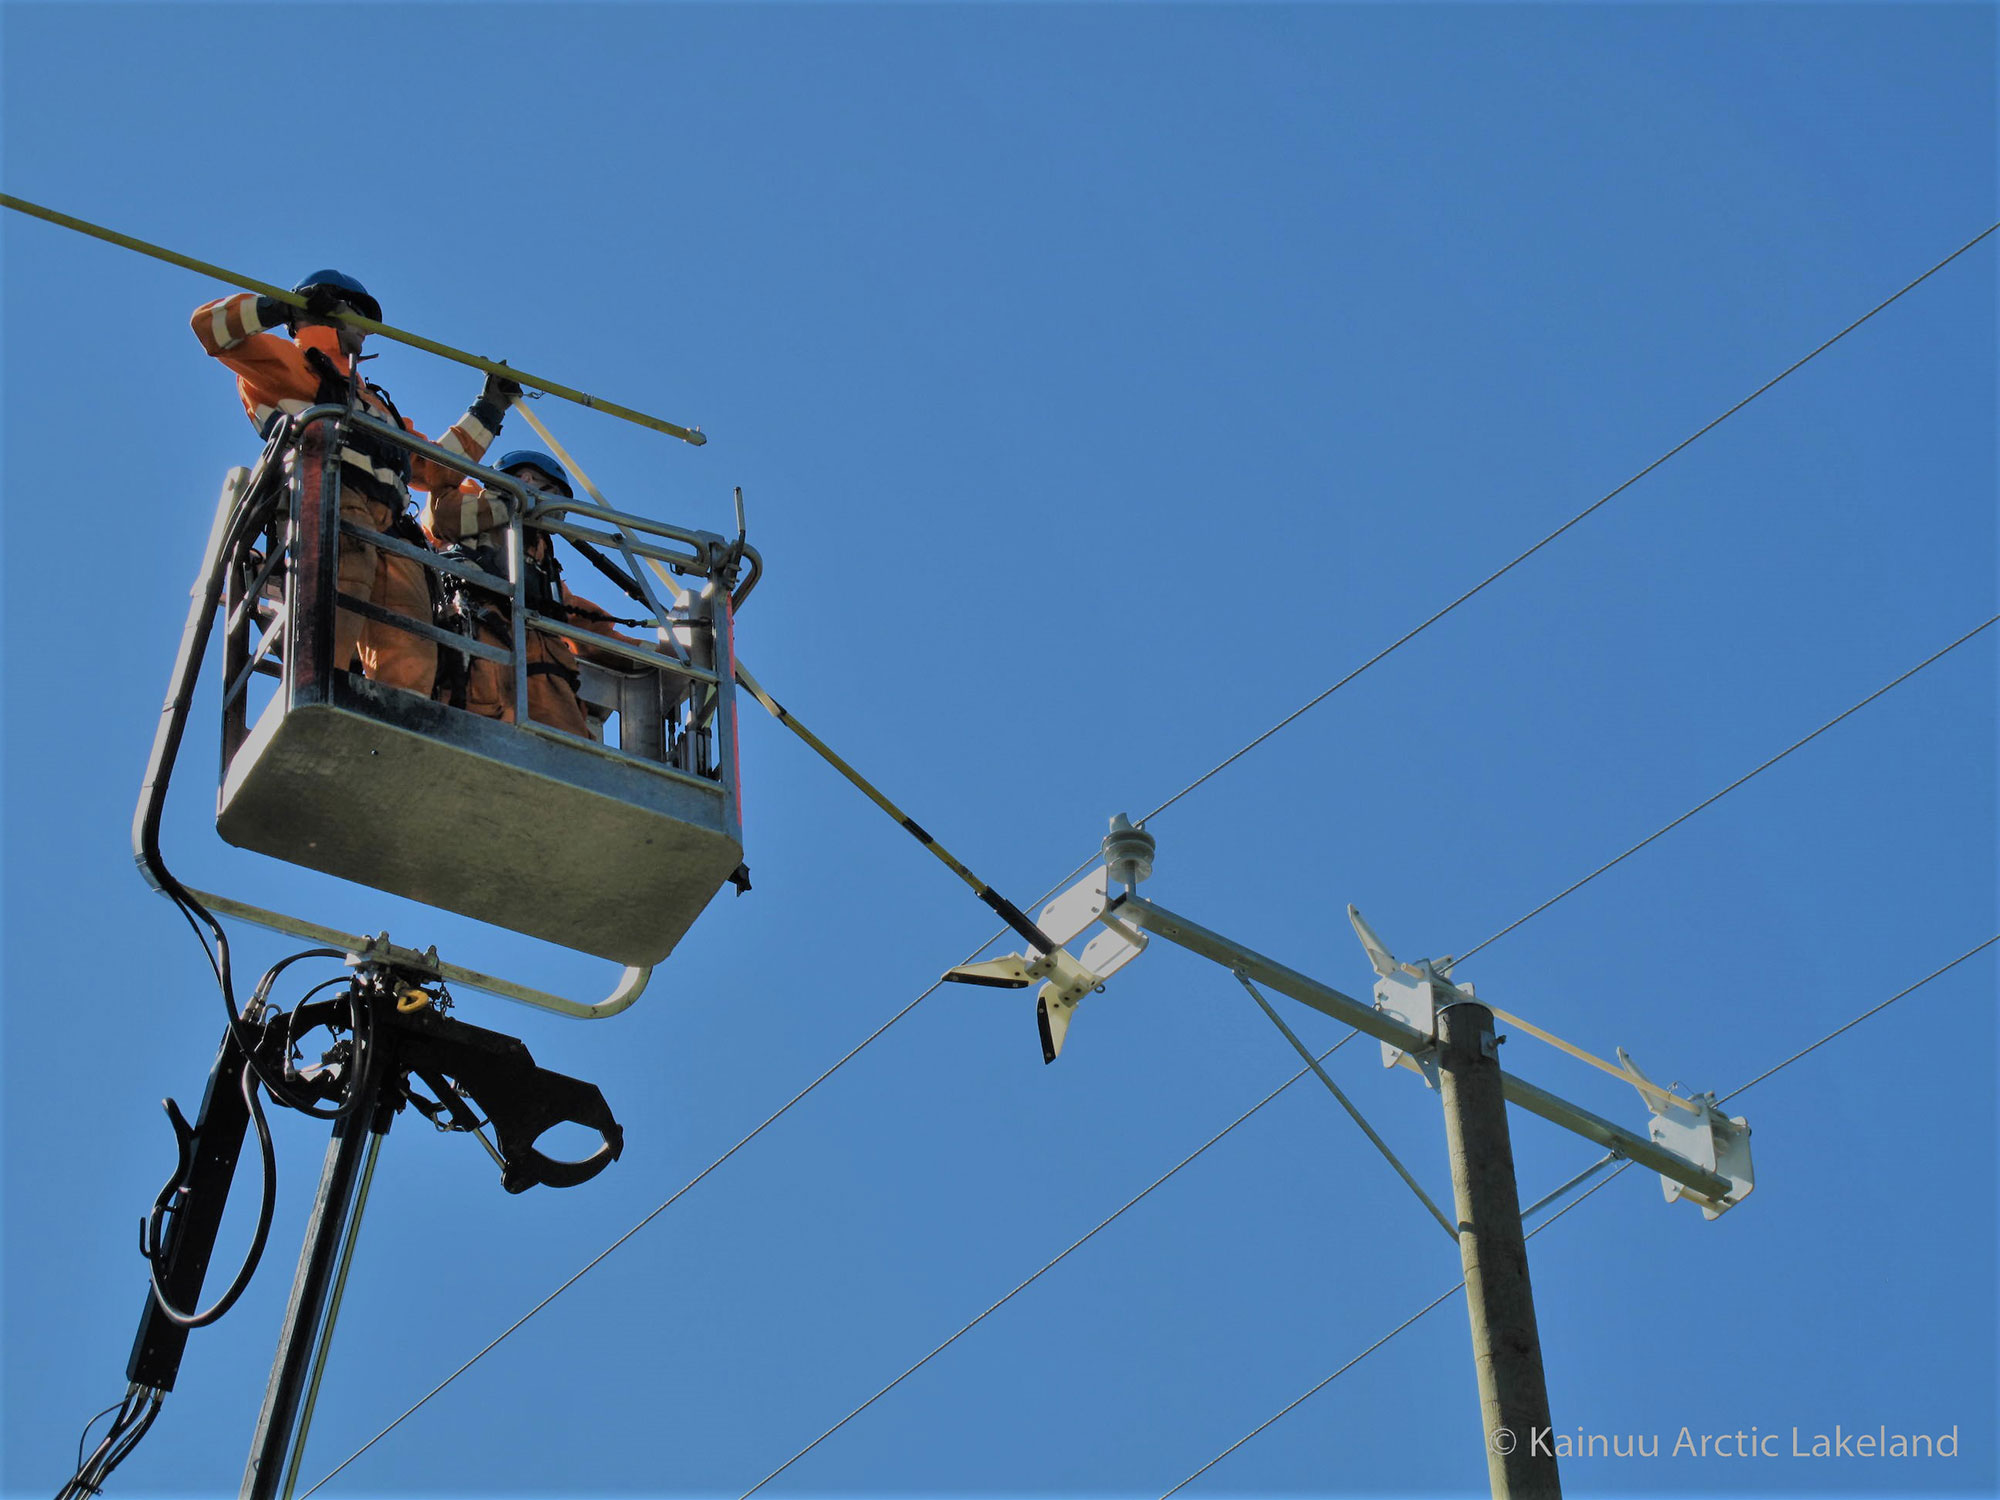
x,y
1104,382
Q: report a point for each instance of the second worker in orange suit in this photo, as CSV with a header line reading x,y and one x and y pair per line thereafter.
x,y
473,520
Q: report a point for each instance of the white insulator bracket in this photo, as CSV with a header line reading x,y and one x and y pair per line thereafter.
x,y
1412,993
1696,1129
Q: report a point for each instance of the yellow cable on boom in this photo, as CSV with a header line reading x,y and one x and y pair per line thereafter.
x,y
354,320
1008,912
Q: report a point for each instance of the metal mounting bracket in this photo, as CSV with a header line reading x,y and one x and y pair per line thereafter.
x,y
1411,993
1696,1129
378,949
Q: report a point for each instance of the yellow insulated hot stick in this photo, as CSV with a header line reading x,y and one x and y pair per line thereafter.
x,y
354,320
1006,910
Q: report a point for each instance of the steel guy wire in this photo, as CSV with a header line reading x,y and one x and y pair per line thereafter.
x,y
1595,1167
1050,1265
1588,510
1668,828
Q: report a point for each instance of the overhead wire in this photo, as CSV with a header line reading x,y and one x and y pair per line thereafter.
x,y
1347,1104
1156,811
1717,797
1587,511
1588,1171
1849,1026
1540,1203
1442,1297
1050,1265
606,1253
1535,1207
1001,907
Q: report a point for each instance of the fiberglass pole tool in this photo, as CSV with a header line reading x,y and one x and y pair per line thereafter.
x,y
1007,911
354,320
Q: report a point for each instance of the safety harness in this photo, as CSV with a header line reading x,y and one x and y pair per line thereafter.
x,y
465,607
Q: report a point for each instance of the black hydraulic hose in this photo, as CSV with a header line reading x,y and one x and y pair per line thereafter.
x,y
79,1483
263,990
135,1417
166,747
155,1252
280,1089
361,1022
127,1441
84,1436
248,513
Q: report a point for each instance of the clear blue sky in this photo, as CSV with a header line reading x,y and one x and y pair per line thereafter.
x,y
1104,382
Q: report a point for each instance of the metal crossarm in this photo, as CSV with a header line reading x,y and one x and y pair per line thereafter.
x,y
1345,1008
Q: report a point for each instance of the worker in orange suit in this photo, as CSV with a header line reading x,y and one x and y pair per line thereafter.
x,y
472,520
287,359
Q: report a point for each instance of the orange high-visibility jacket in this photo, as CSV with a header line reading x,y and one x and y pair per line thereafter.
x,y
272,376
470,515
475,517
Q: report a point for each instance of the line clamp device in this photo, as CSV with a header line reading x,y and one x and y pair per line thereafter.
x,y
1068,977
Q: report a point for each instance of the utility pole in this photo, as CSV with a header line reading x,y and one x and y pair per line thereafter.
x,y
1506,1348
1430,1024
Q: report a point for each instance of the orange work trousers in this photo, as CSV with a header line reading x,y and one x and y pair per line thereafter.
x,y
400,658
489,687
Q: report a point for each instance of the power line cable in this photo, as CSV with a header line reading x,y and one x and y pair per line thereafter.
x,y
1541,1203
680,1193
1976,948
1588,1172
1429,1306
1074,1245
1176,797
1708,802
616,1244
1588,510
1413,1318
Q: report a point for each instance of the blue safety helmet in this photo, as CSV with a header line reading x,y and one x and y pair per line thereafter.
x,y
522,457
353,293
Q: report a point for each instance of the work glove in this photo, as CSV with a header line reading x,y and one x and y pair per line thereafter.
x,y
271,313
324,301
501,392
